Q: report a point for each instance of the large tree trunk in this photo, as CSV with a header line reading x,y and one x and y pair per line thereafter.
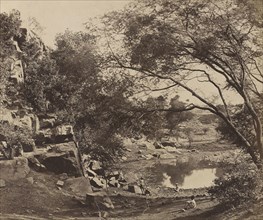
x,y
246,143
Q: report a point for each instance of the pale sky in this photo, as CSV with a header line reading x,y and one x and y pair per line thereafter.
x,y
58,15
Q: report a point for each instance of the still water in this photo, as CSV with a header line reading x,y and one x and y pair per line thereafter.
x,y
185,176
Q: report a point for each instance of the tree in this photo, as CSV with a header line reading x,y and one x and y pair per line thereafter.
x,y
174,119
194,46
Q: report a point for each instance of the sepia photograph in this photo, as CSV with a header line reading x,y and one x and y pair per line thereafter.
x,y
131,109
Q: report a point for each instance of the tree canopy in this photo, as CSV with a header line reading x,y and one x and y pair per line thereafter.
x,y
209,49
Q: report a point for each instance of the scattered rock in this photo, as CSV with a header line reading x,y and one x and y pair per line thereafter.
x,y
91,173
157,145
149,156
128,149
95,165
250,211
134,189
84,214
170,149
2,183
60,183
142,145
63,176
98,183
79,186
30,180
124,158
140,151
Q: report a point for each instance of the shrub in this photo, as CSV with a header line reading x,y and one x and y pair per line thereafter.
x,y
15,135
240,184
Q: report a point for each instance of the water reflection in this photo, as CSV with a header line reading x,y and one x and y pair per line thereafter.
x,y
185,175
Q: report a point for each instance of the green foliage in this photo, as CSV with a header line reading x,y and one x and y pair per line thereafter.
x,y
101,144
15,135
174,119
240,185
189,45
41,78
244,124
208,119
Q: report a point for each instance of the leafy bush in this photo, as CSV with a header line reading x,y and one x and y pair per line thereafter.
x,y
240,184
101,145
15,135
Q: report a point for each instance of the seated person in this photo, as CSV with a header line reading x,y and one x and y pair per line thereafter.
x,y
190,204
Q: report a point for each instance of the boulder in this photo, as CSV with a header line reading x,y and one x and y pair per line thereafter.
x,y
30,180
14,169
168,143
91,173
148,156
97,182
171,149
157,145
79,186
64,158
35,164
124,158
63,176
2,183
96,167
134,189
60,183
99,200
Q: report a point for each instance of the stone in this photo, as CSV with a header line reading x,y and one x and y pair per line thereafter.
x,y
79,186
62,159
114,183
124,158
96,182
142,145
14,169
60,183
63,176
95,165
149,156
30,180
128,149
134,189
157,145
2,183
171,149
91,173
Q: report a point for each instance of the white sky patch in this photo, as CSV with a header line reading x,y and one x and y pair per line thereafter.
x,y
56,16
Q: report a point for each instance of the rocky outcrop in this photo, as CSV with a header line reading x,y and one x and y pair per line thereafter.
x,y
14,169
61,158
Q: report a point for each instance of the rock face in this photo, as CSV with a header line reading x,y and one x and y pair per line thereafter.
x,y
14,169
62,158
